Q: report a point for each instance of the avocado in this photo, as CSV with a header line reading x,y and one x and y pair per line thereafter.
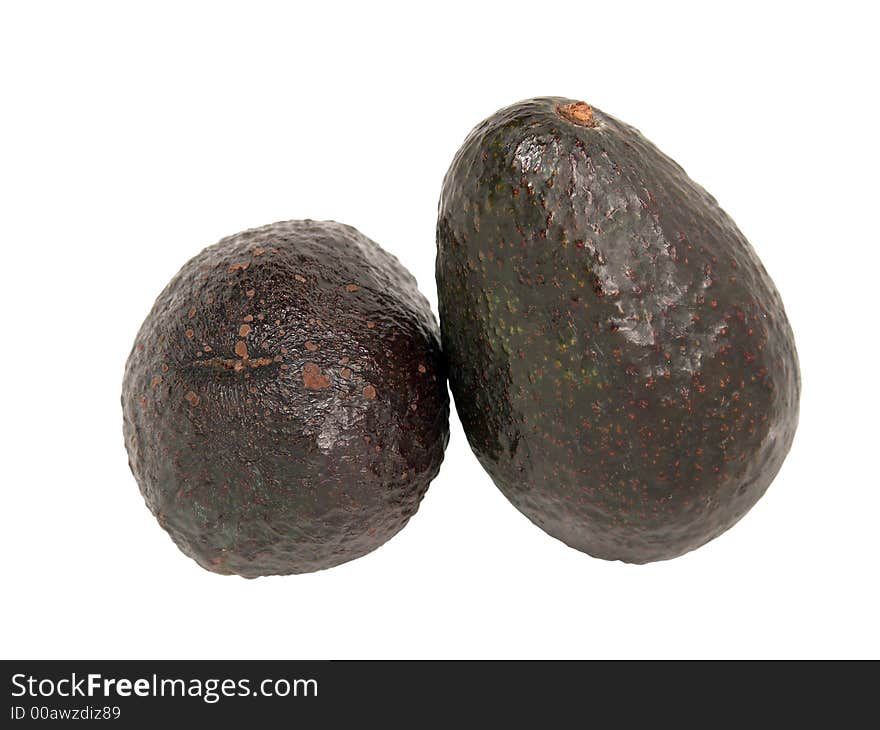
x,y
621,362
285,402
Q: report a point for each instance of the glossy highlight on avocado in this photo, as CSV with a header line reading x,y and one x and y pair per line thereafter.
x,y
285,403
620,359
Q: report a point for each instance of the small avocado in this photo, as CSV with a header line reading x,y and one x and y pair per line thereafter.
x,y
285,402
621,362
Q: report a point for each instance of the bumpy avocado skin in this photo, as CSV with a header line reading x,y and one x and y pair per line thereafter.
x,y
285,403
621,362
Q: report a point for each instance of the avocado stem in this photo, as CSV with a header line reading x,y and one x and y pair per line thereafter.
x,y
578,112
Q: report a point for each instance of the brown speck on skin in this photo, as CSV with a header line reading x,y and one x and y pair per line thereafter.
x,y
164,367
192,398
259,251
313,378
422,369
248,318
285,367
190,334
140,346
369,392
241,349
191,313
155,381
351,288
244,330
250,293
261,316
311,346
344,360
142,400
345,373
300,279
370,325
241,265
207,348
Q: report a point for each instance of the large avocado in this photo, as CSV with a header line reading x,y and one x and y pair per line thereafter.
x,y
285,403
620,359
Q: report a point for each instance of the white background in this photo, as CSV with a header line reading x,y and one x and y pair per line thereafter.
x,y
134,135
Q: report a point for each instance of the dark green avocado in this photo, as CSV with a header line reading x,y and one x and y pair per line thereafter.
x,y
285,403
621,361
